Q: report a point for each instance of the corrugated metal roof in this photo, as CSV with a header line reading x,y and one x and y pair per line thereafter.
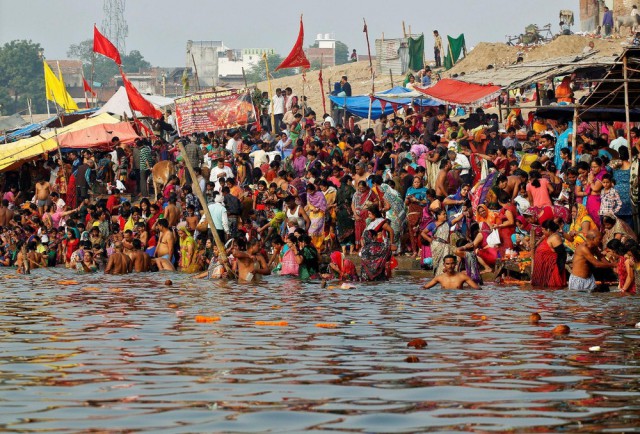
x,y
525,73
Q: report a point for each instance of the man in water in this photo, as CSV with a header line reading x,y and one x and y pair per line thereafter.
x,y
451,279
140,261
251,264
164,249
581,278
118,263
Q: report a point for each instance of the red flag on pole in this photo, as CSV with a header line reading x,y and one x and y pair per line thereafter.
x,y
297,57
137,101
324,101
87,88
104,46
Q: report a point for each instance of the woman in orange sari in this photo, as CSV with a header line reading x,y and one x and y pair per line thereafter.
x,y
486,219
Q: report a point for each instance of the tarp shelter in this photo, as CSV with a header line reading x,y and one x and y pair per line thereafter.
x,y
383,102
450,91
53,121
118,104
12,122
93,132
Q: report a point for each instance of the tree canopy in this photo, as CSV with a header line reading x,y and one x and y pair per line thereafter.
x,y
21,77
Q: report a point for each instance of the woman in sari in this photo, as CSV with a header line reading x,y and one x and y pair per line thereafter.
x,y
593,189
330,195
378,243
455,202
506,221
363,199
342,268
396,214
288,258
187,248
437,234
487,254
415,201
616,229
582,223
299,163
345,228
550,258
316,207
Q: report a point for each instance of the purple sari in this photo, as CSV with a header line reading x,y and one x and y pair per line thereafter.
x,y
594,201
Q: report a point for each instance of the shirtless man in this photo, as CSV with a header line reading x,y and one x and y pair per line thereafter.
x,y
118,263
43,189
127,243
6,215
441,180
172,213
361,174
251,264
581,278
36,260
514,181
164,249
450,279
140,261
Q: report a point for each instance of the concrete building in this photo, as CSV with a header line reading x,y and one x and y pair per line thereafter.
x,y
202,58
591,11
325,50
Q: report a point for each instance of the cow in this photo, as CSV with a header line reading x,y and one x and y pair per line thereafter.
x,y
160,174
627,21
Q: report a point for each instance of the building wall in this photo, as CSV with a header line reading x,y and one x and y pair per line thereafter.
x,y
591,11
205,55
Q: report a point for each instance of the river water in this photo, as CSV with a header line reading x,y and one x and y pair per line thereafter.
x,y
126,353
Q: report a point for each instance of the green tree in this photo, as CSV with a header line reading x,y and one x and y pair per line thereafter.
x,y
21,77
342,53
105,69
258,72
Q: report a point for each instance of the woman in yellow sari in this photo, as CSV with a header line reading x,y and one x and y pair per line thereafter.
x,y
187,248
316,208
581,224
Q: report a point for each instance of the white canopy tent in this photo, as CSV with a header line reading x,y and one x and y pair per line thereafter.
x,y
118,104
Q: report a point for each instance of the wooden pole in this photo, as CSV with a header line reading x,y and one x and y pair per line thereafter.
x,y
537,95
404,32
626,98
273,116
244,77
195,72
391,77
574,136
205,208
373,84
499,109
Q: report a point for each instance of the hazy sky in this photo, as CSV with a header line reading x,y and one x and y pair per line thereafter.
x,y
159,29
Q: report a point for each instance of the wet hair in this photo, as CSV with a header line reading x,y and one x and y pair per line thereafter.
x,y
137,244
375,211
550,225
164,223
535,178
454,257
610,220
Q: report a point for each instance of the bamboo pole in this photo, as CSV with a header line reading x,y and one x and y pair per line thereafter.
x,y
273,116
391,77
574,136
626,99
196,189
404,32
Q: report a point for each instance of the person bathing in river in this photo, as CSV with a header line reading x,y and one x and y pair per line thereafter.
x,y
581,278
251,264
450,278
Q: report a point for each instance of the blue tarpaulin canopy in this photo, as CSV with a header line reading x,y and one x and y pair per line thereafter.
x,y
29,130
359,105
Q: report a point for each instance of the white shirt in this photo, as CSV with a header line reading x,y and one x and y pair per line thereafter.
x,y
218,215
278,105
618,143
171,120
259,157
213,177
463,162
232,146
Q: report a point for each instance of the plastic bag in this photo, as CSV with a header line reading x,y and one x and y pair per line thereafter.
x,y
494,238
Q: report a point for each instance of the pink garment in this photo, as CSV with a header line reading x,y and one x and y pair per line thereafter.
x,y
540,194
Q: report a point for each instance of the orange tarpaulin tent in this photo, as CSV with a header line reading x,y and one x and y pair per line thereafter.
x,y
457,92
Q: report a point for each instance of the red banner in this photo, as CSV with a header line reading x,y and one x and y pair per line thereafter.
x,y
212,111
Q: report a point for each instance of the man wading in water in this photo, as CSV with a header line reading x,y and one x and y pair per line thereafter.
x,y
451,279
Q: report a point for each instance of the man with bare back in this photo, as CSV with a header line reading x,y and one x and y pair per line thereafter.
x,y
43,190
450,279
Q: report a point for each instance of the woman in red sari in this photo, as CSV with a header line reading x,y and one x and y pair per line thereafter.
x,y
487,255
549,259
506,221
363,199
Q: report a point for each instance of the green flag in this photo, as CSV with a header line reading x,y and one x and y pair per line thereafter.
x,y
416,53
457,46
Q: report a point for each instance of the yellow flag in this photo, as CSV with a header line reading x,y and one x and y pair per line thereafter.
x,y
55,90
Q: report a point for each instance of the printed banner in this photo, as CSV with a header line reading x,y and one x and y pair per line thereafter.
x,y
212,111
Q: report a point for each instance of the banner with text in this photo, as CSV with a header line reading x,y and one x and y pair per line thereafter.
x,y
212,111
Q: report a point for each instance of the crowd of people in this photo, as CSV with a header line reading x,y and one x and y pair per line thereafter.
x,y
461,197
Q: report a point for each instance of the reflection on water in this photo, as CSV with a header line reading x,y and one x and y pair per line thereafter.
x,y
115,353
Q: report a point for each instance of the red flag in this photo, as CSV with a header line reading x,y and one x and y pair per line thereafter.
x,y
137,101
297,57
87,88
104,46
383,105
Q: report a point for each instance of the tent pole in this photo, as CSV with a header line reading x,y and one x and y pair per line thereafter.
x,y
391,77
626,99
574,136
273,116
537,94
500,109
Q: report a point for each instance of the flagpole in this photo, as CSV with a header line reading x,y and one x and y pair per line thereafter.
x,y
373,89
86,100
46,93
273,117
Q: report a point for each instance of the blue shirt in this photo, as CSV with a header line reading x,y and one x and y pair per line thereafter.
x,y
563,142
